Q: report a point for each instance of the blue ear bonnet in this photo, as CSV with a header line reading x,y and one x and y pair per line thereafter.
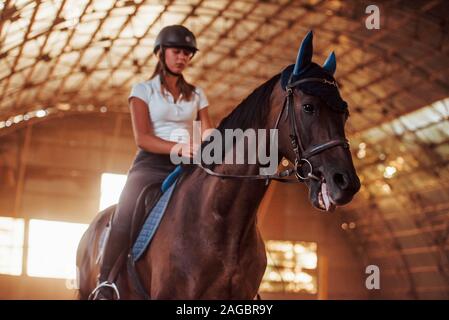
x,y
305,68
328,93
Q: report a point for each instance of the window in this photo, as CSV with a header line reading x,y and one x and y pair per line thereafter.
x,y
52,248
292,267
111,187
11,245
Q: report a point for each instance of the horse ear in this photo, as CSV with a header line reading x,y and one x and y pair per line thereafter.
x,y
305,54
330,65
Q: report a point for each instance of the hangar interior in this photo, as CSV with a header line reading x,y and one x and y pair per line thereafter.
x,y
66,69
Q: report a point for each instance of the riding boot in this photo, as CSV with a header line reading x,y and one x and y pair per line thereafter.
x,y
117,242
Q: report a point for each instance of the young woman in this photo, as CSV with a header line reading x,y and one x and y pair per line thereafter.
x,y
163,110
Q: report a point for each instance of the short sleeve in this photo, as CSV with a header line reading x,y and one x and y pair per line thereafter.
x,y
140,91
203,102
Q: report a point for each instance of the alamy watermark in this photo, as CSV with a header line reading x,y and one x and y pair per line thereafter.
x,y
373,280
229,148
373,20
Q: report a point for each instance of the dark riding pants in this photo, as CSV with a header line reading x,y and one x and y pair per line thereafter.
x,y
147,168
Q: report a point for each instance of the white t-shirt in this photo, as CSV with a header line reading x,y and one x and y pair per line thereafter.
x,y
171,120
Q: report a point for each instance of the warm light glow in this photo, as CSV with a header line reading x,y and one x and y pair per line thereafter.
x,y
299,248
111,187
389,172
52,248
288,275
273,276
303,277
308,260
41,113
386,188
63,106
291,267
361,154
362,151
11,245
18,118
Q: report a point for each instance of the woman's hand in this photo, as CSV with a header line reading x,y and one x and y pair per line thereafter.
x,y
188,150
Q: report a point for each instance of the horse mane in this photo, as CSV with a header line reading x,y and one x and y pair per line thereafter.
x,y
253,111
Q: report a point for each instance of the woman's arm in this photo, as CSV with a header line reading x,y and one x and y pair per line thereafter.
x,y
203,116
143,129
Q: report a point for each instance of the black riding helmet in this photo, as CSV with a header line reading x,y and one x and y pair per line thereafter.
x,y
175,36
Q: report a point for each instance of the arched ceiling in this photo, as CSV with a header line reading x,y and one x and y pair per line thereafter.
x,y
87,52
70,56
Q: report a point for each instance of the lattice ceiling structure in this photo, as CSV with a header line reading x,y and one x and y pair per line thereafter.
x,y
67,56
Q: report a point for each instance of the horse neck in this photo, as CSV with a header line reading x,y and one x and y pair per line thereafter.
x,y
234,201
229,206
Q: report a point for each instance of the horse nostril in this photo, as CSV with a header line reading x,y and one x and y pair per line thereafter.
x,y
341,180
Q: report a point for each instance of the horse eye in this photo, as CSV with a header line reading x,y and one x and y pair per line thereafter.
x,y
308,108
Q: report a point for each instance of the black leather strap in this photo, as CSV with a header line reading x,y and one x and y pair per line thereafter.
x,y
135,279
324,146
322,80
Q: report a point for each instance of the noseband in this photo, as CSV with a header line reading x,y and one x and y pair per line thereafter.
x,y
301,155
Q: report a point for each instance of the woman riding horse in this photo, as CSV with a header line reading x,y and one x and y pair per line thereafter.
x,y
162,111
208,245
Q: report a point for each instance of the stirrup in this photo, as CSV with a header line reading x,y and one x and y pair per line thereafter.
x,y
94,293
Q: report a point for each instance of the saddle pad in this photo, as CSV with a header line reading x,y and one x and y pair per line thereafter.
x,y
151,223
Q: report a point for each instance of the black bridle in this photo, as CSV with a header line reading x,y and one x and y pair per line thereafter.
x,y
301,155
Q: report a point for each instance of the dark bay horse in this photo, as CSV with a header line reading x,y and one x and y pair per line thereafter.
x,y
208,245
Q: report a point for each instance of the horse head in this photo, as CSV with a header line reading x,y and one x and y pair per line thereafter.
x,y
312,134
